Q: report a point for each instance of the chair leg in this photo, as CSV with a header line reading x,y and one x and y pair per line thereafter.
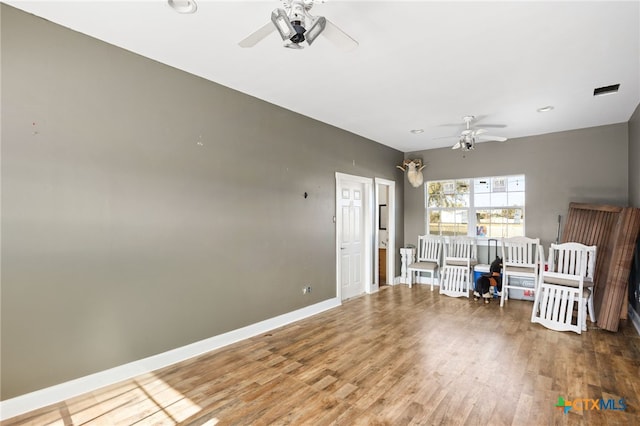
x,y
582,312
503,293
587,304
410,278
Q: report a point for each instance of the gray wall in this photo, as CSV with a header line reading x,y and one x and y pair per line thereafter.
x,y
634,159
122,236
587,165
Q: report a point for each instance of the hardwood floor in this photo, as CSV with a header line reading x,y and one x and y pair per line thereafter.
x,y
401,356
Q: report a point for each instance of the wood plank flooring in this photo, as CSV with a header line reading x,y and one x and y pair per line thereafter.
x,y
399,357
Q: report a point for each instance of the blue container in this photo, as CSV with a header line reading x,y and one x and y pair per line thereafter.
x,y
479,270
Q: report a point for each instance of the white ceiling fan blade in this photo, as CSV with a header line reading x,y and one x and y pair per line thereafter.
x,y
479,118
338,37
494,126
453,138
458,145
257,36
487,138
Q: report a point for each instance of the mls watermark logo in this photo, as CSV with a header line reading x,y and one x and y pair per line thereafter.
x,y
585,404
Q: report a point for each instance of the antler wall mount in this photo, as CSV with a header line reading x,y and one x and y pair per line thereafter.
x,y
413,168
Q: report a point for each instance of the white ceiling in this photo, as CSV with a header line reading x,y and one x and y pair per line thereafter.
x,y
419,64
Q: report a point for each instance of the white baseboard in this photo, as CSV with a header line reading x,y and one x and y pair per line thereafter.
x,y
47,396
419,280
635,319
425,280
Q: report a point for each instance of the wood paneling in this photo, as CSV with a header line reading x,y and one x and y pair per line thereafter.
x,y
614,230
397,357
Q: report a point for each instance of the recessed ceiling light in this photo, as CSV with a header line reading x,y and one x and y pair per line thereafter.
x,y
545,109
183,6
417,131
606,90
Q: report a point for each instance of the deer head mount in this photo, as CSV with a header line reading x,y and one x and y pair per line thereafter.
x,y
413,168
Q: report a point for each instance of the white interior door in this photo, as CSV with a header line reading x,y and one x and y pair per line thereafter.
x,y
353,235
351,240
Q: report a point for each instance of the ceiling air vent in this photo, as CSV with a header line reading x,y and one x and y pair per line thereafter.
x,y
605,90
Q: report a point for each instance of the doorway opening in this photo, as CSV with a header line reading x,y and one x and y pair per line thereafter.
x,y
385,232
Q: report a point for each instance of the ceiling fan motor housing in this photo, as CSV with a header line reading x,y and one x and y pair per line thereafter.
x,y
300,30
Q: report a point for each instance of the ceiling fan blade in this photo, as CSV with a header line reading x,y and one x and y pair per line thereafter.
x,y
458,145
494,126
338,37
479,118
453,138
257,36
487,138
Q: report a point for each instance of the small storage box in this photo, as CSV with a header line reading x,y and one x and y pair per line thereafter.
x,y
520,294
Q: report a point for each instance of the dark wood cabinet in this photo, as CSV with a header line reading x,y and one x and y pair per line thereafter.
x,y
382,269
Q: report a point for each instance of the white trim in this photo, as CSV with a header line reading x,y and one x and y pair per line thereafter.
x,y
51,395
391,227
367,254
375,285
419,279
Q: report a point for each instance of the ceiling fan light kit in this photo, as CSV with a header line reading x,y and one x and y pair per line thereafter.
x,y
468,137
296,25
316,28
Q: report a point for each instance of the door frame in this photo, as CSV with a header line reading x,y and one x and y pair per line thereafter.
x,y
391,232
367,215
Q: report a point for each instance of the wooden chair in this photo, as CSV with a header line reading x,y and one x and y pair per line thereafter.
x,y
520,258
460,256
563,288
427,258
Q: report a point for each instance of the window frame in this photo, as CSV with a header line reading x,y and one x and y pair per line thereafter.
x,y
472,209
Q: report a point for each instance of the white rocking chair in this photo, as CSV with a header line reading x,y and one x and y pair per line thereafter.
x,y
561,289
460,256
521,257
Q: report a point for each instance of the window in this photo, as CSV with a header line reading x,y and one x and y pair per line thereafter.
x,y
491,207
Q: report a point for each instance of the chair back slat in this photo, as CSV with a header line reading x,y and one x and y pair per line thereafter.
x,y
461,248
573,259
429,248
520,251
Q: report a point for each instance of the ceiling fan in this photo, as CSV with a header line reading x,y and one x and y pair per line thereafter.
x,y
468,138
296,25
